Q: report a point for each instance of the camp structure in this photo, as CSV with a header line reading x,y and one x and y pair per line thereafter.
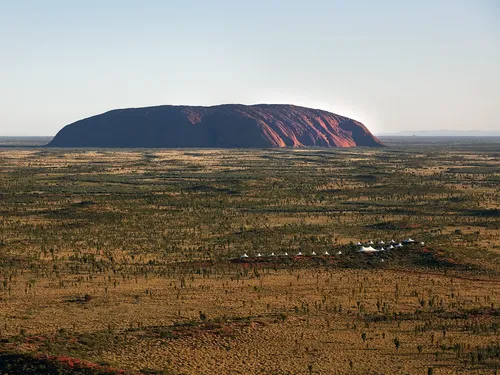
x,y
368,249
299,254
339,253
244,256
358,244
326,253
399,245
272,255
408,240
313,253
390,247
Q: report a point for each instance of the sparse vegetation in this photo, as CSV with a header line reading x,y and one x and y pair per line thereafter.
x,y
124,259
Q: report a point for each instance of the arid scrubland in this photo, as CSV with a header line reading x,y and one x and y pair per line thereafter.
x,y
123,261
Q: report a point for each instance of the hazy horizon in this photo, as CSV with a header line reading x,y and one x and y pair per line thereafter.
x,y
396,67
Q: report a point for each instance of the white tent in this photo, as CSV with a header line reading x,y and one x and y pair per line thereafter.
x,y
422,243
399,245
390,247
393,242
259,255
244,256
286,254
409,240
368,249
381,243
313,253
380,249
299,254
272,255
358,244
327,253
339,253
370,243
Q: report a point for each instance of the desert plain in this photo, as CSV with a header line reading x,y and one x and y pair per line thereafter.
x,y
130,260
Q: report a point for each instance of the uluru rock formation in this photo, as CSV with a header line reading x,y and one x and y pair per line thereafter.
x,y
225,126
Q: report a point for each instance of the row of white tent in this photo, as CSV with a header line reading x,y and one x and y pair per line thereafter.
x,y
393,245
285,254
362,249
391,242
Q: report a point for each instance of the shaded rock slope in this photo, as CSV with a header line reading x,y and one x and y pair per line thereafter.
x,y
224,126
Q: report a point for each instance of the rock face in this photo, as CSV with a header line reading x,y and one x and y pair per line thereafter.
x,y
224,126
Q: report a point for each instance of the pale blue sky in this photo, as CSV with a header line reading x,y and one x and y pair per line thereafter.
x,y
394,65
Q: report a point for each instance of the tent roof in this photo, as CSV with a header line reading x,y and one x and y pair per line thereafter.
x,y
368,249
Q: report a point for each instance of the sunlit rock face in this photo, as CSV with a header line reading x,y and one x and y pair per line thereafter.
x,y
223,126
